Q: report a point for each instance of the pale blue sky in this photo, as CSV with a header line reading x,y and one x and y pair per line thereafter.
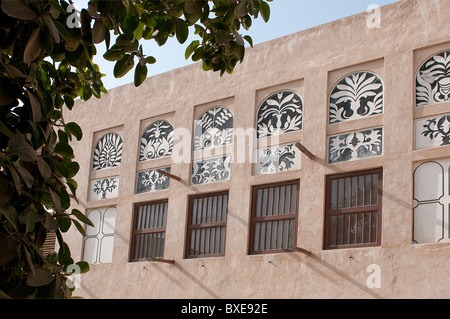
x,y
287,16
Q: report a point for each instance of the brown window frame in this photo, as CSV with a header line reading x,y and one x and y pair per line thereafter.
x,y
365,210
146,231
205,225
279,217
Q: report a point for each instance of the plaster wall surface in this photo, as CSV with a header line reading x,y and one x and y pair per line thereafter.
x,y
309,62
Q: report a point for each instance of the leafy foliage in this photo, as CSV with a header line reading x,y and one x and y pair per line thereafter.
x,y
47,49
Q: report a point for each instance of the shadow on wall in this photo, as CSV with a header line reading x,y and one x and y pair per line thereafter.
x,y
326,270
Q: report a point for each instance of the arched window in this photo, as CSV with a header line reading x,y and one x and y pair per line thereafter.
x,y
282,112
213,128
157,141
433,80
107,152
356,96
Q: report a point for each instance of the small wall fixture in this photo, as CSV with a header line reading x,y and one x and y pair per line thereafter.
x,y
305,151
168,175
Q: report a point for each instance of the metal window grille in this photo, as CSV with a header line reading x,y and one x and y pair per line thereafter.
x,y
274,217
353,209
207,225
149,231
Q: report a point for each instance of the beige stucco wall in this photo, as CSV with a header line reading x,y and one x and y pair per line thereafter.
x,y
310,62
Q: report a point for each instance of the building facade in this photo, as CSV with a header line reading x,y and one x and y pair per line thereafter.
x,y
319,169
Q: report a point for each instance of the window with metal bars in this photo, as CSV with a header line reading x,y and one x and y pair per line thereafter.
x,y
149,230
207,225
274,217
353,209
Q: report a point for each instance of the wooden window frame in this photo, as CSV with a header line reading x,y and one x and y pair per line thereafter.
x,y
135,232
254,220
190,227
353,210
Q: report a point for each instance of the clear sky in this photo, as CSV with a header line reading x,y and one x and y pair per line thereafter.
x,y
287,16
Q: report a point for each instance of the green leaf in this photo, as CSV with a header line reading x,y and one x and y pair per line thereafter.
x,y
65,198
241,9
17,9
249,40
34,45
10,214
84,266
19,145
39,278
140,73
82,217
130,23
64,223
56,201
35,106
74,129
79,227
6,189
150,60
68,101
51,223
64,150
75,55
193,6
5,130
181,30
62,30
98,32
123,66
30,222
73,167
27,177
191,48
114,54
52,27
265,10
9,249
64,256
44,169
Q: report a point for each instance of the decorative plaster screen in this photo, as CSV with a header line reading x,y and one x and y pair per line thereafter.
x,y
433,80
277,159
156,142
98,244
356,96
355,145
103,188
211,170
432,201
282,112
107,152
151,180
214,128
432,132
